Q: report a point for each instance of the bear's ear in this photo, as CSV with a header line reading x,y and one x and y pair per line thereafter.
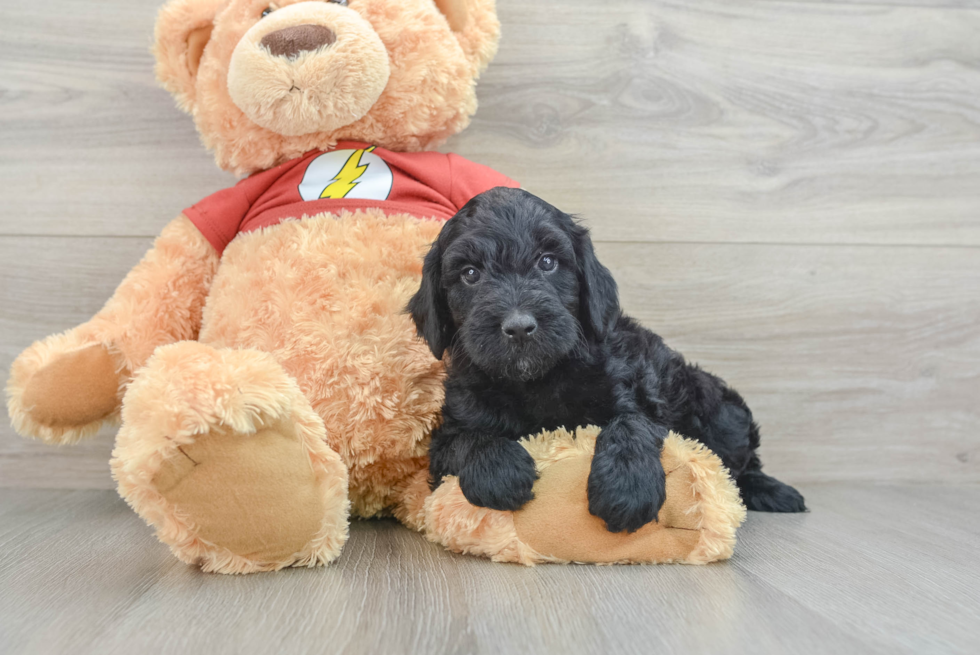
x,y
476,26
182,32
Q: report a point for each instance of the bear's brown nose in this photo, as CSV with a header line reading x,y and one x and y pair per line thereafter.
x,y
290,41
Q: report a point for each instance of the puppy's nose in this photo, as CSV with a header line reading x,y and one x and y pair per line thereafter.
x,y
519,327
290,41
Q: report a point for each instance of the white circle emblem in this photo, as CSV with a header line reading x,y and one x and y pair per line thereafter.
x,y
359,174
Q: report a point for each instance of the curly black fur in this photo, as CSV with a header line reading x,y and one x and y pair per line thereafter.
x,y
513,291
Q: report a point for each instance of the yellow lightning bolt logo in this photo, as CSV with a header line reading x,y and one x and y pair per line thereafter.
x,y
347,178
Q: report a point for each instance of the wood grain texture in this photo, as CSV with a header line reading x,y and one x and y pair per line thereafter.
x,y
88,142
760,121
750,122
870,569
729,158
50,285
859,362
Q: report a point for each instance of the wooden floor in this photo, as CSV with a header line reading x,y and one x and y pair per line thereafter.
x,y
872,569
787,190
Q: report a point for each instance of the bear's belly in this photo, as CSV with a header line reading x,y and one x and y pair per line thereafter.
x,y
327,296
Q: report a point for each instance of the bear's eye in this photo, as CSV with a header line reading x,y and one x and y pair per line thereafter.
x,y
266,11
342,3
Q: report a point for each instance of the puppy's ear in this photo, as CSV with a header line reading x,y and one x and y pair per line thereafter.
x,y
598,294
429,307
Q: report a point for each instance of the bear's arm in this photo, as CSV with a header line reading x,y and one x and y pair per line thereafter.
x,y
65,386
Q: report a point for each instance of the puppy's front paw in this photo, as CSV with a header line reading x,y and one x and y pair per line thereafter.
x,y
499,475
626,487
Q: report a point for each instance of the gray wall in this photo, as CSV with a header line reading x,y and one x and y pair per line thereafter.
x,y
790,197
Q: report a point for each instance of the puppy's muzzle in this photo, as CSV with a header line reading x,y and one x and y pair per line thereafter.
x,y
519,327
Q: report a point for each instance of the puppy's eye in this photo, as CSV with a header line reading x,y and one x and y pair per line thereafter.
x,y
267,11
470,275
547,263
342,3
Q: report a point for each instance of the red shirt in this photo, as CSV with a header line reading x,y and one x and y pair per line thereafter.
x,y
352,176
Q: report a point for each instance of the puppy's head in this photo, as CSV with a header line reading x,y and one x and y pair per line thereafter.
x,y
514,283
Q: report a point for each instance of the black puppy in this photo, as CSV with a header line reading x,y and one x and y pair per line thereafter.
x,y
536,340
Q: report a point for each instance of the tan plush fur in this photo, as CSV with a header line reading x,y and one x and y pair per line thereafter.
x,y
711,507
429,96
329,336
55,398
326,297
186,392
310,312
267,393
300,329
317,91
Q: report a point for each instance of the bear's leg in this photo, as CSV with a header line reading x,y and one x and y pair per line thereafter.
x,y
409,500
696,524
221,453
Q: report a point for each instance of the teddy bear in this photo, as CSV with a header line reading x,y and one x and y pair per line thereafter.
x,y
268,383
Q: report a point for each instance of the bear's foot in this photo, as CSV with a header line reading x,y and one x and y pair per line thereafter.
x,y
63,388
696,524
223,455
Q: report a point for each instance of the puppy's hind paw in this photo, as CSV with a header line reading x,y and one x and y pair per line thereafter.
x,y
763,493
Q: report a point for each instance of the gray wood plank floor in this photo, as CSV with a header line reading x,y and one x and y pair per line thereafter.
x,y
872,569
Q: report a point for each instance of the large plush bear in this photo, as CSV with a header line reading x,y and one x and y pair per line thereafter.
x,y
268,380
